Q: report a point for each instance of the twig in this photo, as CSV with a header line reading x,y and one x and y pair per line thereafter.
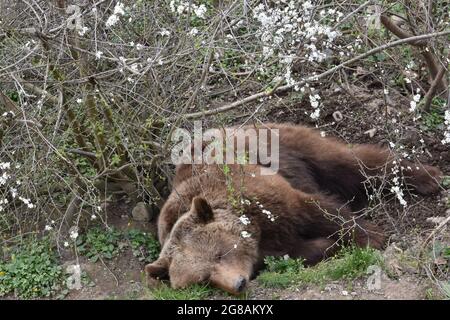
x,y
30,122
21,59
399,32
71,210
51,98
365,4
429,57
432,91
88,154
11,106
8,103
263,94
439,227
112,273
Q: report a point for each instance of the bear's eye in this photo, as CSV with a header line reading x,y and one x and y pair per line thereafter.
x,y
219,257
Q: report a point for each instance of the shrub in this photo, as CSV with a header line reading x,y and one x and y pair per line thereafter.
x,y
31,271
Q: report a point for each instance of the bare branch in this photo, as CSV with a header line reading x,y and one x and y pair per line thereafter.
x,y
314,78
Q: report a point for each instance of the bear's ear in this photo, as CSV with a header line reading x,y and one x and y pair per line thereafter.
x,y
158,270
202,210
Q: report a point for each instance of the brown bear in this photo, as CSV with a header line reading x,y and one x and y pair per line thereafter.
x,y
220,221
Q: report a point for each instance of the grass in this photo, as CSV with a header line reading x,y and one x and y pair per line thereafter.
x,y
283,272
277,280
194,292
351,263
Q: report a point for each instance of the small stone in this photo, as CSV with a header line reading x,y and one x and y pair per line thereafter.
x,y
141,212
371,132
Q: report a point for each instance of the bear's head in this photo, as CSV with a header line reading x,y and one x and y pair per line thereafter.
x,y
206,246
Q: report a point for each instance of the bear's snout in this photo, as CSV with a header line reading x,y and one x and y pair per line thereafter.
x,y
240,284
234,284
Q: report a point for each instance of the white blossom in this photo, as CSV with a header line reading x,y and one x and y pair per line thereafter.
x,y
164,32
8,113
446,139
244,220
112,20
5,165
181,7
193,32
4,178
245,234
399,194
73,234
200,11
83,31
119,10
98,54
315,114
314,100
13,192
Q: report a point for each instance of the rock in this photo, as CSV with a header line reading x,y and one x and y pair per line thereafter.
x,y
141,212
371,132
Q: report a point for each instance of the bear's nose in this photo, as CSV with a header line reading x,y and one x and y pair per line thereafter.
x,y
240,283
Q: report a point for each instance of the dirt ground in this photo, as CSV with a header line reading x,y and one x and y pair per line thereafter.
x,y
122,278
362,109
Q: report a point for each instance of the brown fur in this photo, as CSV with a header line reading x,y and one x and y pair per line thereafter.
x,y
201,233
